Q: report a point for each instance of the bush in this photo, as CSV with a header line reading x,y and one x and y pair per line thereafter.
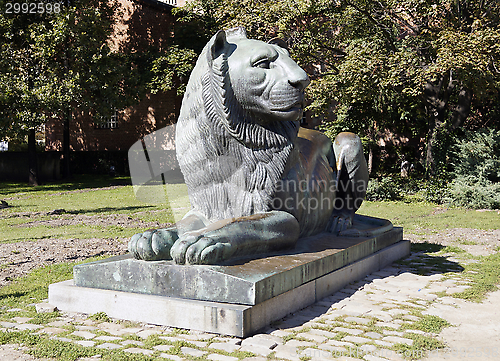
x,y
477,156
467,192
476,173
436,191
385,189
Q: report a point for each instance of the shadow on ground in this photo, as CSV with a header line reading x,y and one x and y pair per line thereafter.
x,y
428,264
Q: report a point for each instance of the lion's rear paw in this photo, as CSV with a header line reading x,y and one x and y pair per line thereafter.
x,y
152,245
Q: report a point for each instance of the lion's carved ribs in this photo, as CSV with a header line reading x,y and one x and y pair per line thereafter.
x,y
255,182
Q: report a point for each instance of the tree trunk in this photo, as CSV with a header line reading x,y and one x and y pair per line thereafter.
x,y
430,165
462,110
370,160
437,96
33,163
66,146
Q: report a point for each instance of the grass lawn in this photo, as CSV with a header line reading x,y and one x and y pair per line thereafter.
x,y
95,197
425,217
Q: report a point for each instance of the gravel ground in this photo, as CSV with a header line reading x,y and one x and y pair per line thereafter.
x,y
17,259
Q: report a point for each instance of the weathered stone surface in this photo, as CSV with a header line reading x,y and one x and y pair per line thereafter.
x,y
137,350
132,342
109,346
259,342
146,333
21,319
258,350
348,330
108,338
44,308
218,357
171,357
163,347
312,337
317,354
28,326
287,352
84,334
247,282
8,324
224,346
85,343
323,333
396,339
374,335
192,351
297,343
52,330
356,339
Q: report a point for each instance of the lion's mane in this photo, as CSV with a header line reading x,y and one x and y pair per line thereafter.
x,y
231,162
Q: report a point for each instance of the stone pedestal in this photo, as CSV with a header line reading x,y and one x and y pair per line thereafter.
x,y
236,299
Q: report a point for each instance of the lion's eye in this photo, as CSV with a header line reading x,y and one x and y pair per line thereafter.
x,y
262,63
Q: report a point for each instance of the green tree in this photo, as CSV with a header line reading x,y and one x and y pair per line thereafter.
x,y
414,66
170,68
59,60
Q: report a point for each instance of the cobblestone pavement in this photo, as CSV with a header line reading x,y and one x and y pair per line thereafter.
x,y
389,315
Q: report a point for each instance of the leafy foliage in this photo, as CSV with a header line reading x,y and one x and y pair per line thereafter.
x,y
175,63
385,189
476,182
478,156
53,62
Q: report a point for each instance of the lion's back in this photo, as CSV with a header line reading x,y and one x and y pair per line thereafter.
x,y
308,188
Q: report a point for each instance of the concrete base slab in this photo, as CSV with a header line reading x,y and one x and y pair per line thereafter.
x,y
217,317
245,281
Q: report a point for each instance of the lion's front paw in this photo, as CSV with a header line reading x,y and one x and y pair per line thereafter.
x,y
152,245
200,250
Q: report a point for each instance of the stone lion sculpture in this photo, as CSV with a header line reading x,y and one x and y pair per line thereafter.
x,y
256,180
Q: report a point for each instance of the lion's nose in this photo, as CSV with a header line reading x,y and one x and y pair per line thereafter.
x,y
299,79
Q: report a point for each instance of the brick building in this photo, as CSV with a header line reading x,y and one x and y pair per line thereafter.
x,y
144,22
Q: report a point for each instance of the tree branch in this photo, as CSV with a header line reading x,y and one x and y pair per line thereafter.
x,y
462,110
386,34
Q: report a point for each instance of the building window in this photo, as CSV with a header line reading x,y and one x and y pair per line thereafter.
x,y
169,2
111,123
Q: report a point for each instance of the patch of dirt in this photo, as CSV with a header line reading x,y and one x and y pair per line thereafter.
x,y
119,220
477,242
17,259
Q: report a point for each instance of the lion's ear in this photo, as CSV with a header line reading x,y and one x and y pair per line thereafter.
x,y
280,42
218,46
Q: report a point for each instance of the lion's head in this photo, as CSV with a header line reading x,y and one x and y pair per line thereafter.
x,y
238,123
